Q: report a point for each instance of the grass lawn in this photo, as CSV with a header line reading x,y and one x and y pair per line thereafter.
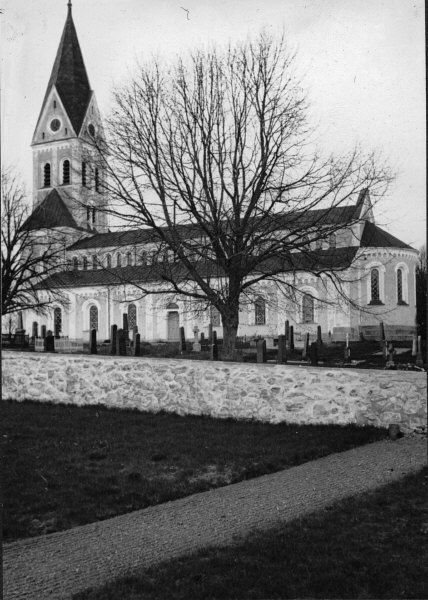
x,y
65,466
372,546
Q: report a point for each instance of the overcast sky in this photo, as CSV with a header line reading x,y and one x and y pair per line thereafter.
x,y
362,63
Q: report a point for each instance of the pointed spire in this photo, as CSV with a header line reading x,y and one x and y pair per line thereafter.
x,y
69,75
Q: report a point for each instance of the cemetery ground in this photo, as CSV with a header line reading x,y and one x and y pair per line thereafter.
x,y
374,545
65,466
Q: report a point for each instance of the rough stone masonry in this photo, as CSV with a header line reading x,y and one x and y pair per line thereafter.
x,y
265,392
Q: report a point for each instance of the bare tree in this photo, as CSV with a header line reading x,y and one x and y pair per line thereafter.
x,y
27,256
213,155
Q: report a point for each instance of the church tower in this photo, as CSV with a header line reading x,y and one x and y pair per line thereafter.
x,y
67,181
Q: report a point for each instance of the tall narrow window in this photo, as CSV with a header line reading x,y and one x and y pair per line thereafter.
x,y
132,316
400,286
215,317
374,286
83,173
108,261
260,311
307,309
54,103
85,263
94,262
57,321
47,175
97,180
118,260
129,259
93,216
93,317
66,172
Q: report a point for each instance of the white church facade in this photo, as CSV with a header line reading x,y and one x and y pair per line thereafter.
x,y
101,281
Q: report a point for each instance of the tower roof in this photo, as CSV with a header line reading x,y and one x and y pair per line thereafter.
x,y
52,212
69,75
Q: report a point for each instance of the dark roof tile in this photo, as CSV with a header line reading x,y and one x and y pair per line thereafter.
x,y
51,212
375,237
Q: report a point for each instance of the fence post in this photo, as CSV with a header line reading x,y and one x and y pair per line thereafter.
x,y
261,351
214,346
50,342
113,336
93,342
43,333
291,344
125,326
282,349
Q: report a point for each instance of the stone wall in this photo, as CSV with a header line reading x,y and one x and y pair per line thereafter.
x,y
273,393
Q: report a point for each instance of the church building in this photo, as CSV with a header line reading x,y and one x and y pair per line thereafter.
x,y
102,269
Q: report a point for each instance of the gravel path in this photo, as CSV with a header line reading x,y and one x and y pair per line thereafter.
x,y
60,564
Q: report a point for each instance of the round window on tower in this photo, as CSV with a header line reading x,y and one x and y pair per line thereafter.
x,y
91,130
55,125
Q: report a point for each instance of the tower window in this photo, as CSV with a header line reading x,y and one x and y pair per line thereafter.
x,y
57,321
94,262
129,259
47,175
93,317
54,102
118,260
97,180
66,172
108,261
83,173
132,316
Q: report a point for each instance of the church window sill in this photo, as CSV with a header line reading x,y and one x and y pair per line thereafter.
x,y
376,303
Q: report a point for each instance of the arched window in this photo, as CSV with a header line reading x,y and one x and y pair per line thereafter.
x,y
97,180
47,175
118,259
260,311
93,317
66,172
215,317
129,259
307,309
132,316
85,263
75,263
94,262
374,286
400,299
108,261
57,321
83,173
172,306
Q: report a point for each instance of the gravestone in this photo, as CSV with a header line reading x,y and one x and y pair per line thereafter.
x,y
382,331
287,329
291,344
282,349
134,331
415,345
125,327
50,342
182,342
305,351
214,346
210,333
121,343
202,340
313,353
261,351
319,336
113,339
43,332
196,344
35,332
137,345
93,342
390,358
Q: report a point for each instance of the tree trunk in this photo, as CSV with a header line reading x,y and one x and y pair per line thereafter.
x,y
230,330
